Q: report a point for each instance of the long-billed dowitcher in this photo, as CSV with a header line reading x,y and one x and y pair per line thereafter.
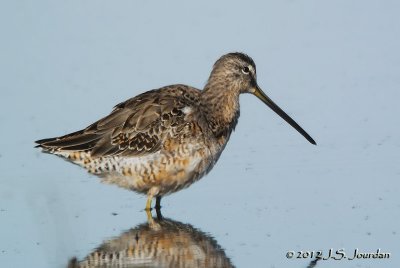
x,y
163,140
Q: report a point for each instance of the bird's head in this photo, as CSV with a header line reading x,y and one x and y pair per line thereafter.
x,y
236,69
235,73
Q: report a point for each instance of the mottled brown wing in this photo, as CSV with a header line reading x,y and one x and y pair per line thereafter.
x,y
135,127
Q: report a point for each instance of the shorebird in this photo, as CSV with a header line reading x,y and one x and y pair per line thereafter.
x,y
163,140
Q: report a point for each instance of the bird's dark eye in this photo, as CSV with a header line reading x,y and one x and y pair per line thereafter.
x,y
246,70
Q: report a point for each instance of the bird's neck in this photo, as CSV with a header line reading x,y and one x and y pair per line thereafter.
x,y
220,104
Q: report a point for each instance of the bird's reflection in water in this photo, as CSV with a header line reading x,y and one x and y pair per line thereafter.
x,y
159,242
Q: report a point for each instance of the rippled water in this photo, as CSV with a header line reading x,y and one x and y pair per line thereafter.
x,y
333,66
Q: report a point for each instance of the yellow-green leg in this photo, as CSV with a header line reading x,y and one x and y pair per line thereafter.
x,y
148,203
149,217
150,194
152,223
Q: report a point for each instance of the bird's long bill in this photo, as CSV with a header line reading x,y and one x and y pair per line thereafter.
x,y
262,96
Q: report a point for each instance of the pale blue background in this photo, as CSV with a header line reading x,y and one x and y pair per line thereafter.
x,y
333,65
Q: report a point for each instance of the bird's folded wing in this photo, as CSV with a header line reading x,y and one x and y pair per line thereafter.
x,y
136,127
